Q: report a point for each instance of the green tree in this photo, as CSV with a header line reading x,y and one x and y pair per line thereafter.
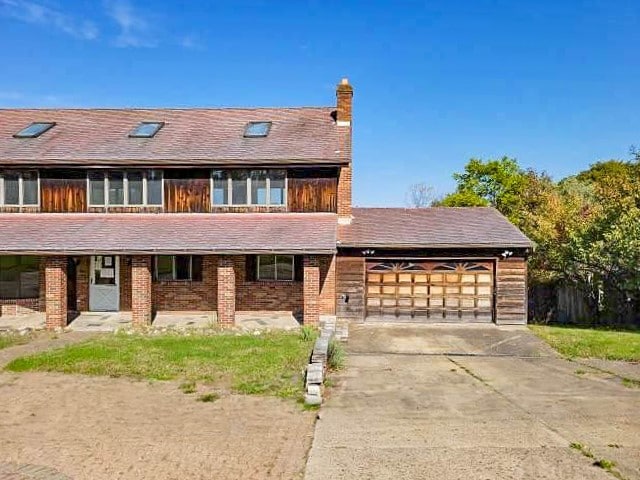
x,y
497,183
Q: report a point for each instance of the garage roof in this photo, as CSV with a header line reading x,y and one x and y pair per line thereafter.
x,y
86,233
435,227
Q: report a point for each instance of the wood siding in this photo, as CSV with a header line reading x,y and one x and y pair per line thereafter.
x,y
312,190
63,191
187,195
350,278
511,291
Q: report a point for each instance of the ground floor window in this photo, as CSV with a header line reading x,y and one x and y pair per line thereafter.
x,y
275,267
19,277
178,267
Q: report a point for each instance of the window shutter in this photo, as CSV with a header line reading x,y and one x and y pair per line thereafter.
x,y
298,267
196,268
251,268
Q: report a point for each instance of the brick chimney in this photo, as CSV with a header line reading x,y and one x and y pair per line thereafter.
x,y
344,96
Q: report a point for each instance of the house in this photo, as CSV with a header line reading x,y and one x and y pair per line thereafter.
x,y
229,210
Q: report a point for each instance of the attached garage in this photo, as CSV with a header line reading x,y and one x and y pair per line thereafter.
x,y
431,265
453,291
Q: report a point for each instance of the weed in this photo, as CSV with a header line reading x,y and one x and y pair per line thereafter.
x,y
208,397
582,449
335,355
605,464
188,387
630,382
307,333
613,445
580,372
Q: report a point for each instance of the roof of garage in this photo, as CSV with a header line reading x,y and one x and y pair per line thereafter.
x,y
435,227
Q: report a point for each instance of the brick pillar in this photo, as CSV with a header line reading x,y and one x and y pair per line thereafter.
x,y
141,310
226,292
311,315
55,272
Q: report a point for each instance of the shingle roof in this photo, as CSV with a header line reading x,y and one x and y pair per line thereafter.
x,y
167,233
194,136
438,227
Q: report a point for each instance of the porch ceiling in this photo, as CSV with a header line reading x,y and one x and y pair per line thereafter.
x,y
228,233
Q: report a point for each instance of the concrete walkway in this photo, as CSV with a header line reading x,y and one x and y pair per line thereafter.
x,y
445,402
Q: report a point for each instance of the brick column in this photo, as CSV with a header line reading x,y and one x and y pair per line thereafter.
x,y
141,290
55,272
226,292
311,315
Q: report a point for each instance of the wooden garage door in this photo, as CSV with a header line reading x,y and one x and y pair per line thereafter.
x,y
429,291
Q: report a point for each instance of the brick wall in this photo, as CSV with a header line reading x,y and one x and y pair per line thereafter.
x,y
311,290
327,284
141,289
125,284
226,291
82,284
188,296
56,291
265,295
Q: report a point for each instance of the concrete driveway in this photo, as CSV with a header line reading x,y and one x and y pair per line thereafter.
x,y
466,402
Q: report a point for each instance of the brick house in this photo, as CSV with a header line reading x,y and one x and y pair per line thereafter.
x,y
231,210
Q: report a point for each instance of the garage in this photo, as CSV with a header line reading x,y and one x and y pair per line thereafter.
x,y
428,291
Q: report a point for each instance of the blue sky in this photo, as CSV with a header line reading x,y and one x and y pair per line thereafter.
x,y
553,83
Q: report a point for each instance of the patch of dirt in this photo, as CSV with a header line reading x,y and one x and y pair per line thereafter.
x,y
105,428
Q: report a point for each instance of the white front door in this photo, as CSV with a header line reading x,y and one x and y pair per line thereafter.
x,y
104,283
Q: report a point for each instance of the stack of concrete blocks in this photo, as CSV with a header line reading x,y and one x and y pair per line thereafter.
x,y
316,370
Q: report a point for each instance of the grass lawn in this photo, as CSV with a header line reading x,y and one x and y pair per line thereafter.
x,y
591,342
268,364
9,340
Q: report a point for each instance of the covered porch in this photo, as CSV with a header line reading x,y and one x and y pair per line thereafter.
x,y
220,269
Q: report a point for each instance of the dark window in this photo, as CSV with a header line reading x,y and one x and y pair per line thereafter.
x,y
248,187
154,187
96,188
116,188
239,187
19,188
136,187
146,129
275,267
19,277
12,189
259,187
178,267
34,130
220,187
257,129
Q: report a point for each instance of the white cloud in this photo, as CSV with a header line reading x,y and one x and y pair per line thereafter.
x,y
135,29
39,14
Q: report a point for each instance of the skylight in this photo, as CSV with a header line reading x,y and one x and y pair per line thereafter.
x,y
146,129
34,130
257,129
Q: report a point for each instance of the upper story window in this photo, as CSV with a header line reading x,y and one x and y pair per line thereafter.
x,y
146,129
249,187
34,130
19,189
125,188
257,129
